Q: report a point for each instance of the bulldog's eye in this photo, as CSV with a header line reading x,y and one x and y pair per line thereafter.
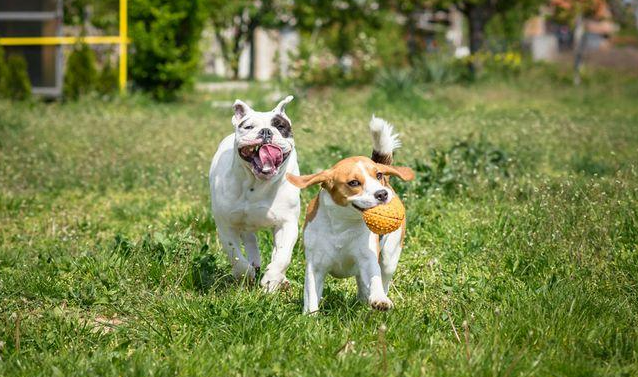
x,y
379,176
249,127
354,183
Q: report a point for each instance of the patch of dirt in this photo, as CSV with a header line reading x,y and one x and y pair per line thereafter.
x,y
618,58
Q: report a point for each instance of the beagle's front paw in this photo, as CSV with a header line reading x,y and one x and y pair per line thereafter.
x,y
381,303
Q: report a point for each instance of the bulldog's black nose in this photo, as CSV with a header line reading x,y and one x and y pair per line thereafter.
x,y
381,195
266,135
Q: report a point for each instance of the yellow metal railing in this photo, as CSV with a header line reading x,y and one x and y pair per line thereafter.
x,y
122,40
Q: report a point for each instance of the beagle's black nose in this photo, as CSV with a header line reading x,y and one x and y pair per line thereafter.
x,y
266,135
381,195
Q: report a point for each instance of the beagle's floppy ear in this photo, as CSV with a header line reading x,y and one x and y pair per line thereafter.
x,y
402,172
241,109
308,180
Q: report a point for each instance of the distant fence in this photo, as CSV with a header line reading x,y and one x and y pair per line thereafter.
x,y
122,39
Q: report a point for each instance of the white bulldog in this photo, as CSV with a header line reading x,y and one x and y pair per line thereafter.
x,y
249,191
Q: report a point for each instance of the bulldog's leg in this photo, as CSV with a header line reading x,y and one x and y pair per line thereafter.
x,y
313,288
231,242
285,237
252,249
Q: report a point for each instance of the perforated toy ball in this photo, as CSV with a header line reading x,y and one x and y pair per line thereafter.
x,y
385,218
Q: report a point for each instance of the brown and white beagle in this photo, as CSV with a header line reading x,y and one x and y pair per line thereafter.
x,y
336,239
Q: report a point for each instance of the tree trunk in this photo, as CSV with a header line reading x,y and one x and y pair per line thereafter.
x,y
226,54
253,50
580,40
412,48
237,49
477,17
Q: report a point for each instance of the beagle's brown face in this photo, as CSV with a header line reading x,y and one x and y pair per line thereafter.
x,y
356,181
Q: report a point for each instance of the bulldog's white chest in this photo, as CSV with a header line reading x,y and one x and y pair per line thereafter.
x,y
251,213
243,202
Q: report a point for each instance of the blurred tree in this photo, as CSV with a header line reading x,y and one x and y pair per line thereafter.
x,y
623,13
107,80
102,14
505,30
235,23
342,19
81,73
75,12
165,36
480,12
18,84
574,13
4,73
569,11
409,10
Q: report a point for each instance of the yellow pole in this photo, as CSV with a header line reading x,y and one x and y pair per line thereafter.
x,y
123,44
54,41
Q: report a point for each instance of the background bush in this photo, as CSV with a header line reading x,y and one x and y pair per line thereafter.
x,y
3,75
81,74
440,68
346,42
473,162
107,80
17,83
165,37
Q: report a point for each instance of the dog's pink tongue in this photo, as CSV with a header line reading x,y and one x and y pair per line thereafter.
x,y
270,156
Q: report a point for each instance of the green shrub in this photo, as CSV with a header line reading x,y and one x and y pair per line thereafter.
x,y
391,48
3,75
352,52
205,269
81,75
314,64
439,69
396,83
495,65
18,85
107,81
165,36
467,163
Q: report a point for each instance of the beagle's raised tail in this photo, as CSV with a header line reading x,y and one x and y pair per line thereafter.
x,y
384,141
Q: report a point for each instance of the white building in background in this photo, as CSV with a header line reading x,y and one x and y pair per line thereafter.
x,y
272,54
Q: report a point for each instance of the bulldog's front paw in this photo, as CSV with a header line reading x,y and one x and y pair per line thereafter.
x,y
273,282
243,271
381,303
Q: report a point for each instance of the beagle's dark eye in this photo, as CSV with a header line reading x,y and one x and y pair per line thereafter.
x,y
379,176
354,183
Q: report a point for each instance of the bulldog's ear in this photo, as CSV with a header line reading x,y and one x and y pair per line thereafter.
x,y
308,180
403,172
281,106
241,109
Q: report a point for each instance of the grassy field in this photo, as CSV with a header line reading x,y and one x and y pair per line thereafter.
x,y
521,256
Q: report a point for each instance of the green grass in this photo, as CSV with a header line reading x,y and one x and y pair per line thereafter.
x,y
520,258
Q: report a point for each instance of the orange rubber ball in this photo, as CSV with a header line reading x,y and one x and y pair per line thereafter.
x,y
385,218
